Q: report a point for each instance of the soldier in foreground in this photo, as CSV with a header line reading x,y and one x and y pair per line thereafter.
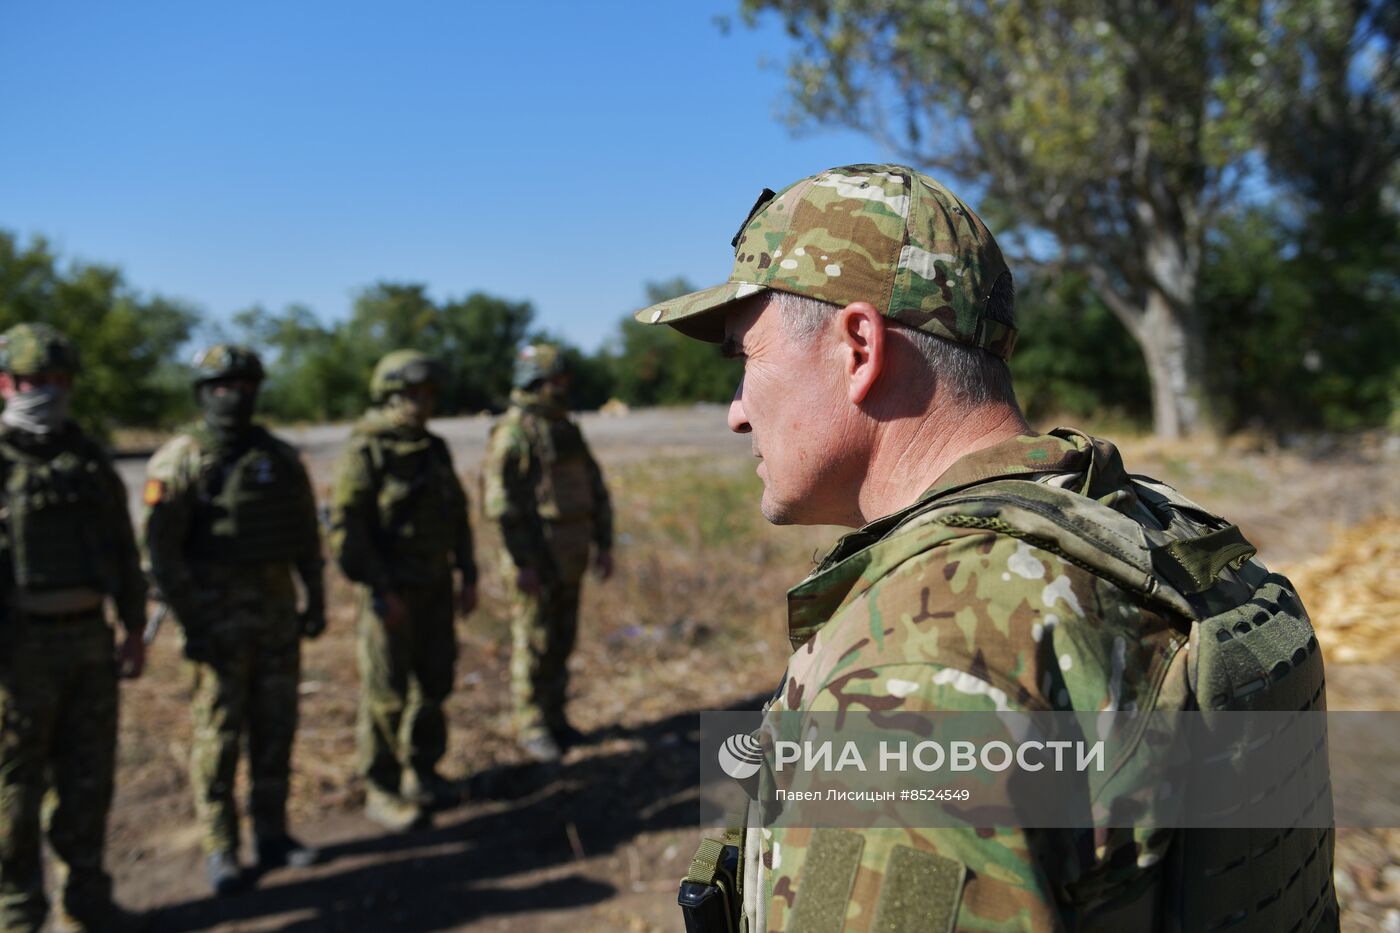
x,y
545,489
873,313
399,528
67,548
230,516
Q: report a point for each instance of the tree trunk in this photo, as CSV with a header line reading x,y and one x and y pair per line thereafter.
x,y
1173,346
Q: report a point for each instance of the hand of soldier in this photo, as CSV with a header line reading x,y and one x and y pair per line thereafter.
x,y
313,621
466,598
131,655
395,611
603,565
527,580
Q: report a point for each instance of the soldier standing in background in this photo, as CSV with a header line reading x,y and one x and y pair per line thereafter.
x,y
544,487
399,527
230,514
68,546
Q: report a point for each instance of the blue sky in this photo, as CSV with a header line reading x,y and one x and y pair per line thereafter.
x,y
268,153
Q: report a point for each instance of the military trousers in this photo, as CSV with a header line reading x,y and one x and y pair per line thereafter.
x,y
544,627
58,738
406,673
244,651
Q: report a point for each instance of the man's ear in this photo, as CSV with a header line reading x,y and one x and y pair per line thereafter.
x,y
861,332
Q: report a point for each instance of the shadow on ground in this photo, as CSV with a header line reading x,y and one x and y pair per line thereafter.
x,y
518,820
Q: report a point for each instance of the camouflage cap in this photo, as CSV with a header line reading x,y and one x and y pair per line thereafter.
x,y
403,368
536,362
883,234
227,361
26,349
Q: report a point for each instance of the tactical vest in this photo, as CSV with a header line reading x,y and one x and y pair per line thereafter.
x,y
51,513
564,488
415,483
1251,647
252,509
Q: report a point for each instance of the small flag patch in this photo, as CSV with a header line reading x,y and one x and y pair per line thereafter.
x,y
155,491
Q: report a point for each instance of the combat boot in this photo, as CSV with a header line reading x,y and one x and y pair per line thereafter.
x,y
429,791
392,811
541,747
284,850
225,875
566,735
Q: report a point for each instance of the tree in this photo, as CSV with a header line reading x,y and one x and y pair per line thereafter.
x,y
126,341
1118,130
657,366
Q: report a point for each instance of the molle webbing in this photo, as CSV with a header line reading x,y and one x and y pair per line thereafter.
x,y
1252,647
53,509
257,514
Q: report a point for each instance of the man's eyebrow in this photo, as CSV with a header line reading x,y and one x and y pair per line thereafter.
x,y
731,349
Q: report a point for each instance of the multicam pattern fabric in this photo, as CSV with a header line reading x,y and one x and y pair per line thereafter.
x,y
541,483
58,686
26,349
884,234
910,615
399,525
238,617
227,361
58,714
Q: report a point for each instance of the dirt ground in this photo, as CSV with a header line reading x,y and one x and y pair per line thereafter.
x,y
693,620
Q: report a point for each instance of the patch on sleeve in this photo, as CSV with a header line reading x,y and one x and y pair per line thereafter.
x,y
154,491
921,892
828,875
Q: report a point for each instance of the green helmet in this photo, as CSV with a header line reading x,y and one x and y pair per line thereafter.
x,y
26,349
227,361
403,368
536,362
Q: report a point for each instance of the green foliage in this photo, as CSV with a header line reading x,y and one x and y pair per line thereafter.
x,y
321,372
1072,357
1303,326
126,341
658,366
1126,135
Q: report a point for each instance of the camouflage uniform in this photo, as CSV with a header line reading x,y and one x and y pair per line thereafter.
x,y
543,486
229,519
920,613
67,545
400,526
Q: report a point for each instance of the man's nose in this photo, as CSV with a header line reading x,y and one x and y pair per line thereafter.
x,y
738,420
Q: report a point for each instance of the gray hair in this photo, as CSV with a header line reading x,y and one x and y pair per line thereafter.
x,y
972,375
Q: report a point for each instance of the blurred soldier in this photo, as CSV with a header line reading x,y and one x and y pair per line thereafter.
x,y
544,487
68,546
399,527
994,569
230,516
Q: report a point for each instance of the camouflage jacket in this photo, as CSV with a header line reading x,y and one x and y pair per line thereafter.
x,y
105,519
903,615
539,471
183,553
398,510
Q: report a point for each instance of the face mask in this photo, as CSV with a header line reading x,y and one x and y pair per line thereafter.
x,y
40,410
409,412
229,410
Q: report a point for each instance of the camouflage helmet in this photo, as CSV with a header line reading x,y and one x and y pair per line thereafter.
x,y
536,362
227,361
403,368
26,349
